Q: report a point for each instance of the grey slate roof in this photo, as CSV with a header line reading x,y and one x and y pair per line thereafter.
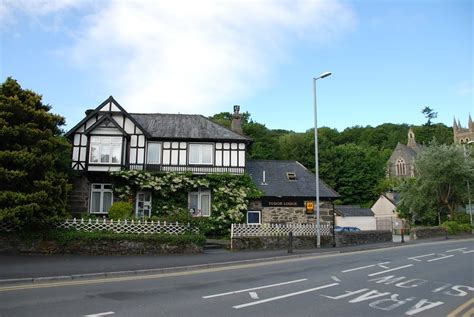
x,y
394,197
278,185
183,126
411,151
353,211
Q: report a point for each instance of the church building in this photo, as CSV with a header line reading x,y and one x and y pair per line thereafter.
x,y
462,135
401,162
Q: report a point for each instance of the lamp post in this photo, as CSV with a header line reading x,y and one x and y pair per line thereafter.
x,y
316,164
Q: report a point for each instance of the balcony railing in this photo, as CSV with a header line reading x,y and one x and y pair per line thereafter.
x,y
195,169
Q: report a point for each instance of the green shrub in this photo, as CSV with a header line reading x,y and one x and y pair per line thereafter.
x,y
457,228
64,237
461,217
121,210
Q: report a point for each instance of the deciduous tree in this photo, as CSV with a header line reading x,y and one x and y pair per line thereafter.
x,y
441,185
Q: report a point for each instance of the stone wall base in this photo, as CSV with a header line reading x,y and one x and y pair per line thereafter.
x,y
363,237
428,232
11,245
277,242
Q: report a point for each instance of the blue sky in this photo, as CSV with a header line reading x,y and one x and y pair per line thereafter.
x,y
389,59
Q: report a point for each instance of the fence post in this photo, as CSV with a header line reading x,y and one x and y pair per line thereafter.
x,y
402,231
231,236
290,242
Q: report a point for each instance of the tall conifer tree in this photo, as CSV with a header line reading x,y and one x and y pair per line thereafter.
x,y
33,159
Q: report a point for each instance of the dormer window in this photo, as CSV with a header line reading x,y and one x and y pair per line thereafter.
x,y
291,176
105,149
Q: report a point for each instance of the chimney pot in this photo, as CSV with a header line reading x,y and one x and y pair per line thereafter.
x,y
236,125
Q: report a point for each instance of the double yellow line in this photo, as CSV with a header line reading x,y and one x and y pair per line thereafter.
x,y
158,275
467,308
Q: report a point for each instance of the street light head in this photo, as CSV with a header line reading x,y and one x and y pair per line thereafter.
x,y
324,75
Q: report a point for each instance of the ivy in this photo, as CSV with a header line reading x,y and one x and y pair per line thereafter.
x,y
230,193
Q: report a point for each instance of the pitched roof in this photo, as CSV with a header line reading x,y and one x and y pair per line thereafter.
x,y
353,211
412,152
170,126
184,126
278,184
393,197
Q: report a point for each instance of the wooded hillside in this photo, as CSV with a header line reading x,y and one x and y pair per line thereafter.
x,y
352,161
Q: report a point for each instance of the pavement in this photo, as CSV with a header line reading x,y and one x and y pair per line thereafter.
x,y
22,268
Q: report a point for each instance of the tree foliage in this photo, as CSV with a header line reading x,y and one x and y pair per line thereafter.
x,y
441,185
344,156
33,158
430,114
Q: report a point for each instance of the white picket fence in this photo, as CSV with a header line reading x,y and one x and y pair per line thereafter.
x,y
127,226
268,230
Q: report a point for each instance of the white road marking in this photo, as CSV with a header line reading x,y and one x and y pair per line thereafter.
x,y
358,268
100,314
415,258
335,278
444,257
382,265
390,270
283,296
460,249
253,295
255,288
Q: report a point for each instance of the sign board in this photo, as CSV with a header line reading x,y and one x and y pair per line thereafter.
x,y
309,207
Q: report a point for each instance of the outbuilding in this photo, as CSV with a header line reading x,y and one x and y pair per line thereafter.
x,y
289,193
355,216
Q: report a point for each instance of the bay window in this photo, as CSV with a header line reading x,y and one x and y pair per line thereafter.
x,y
105,149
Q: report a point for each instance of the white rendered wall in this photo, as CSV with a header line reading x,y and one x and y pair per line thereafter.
x,y
363,223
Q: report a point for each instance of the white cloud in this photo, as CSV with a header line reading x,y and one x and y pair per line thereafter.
x,y
194,56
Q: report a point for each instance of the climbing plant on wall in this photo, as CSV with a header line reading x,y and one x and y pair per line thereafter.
x,y
230,193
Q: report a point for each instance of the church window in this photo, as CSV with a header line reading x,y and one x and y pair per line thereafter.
x,y
401,167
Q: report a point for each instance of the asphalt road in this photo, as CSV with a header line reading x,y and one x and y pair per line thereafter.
x,y
434,279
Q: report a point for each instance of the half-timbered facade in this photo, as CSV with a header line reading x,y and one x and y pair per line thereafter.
x,y
110,139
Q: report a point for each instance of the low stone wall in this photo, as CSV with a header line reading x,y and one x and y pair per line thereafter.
x,y
10,244
428,232
363,237
277,242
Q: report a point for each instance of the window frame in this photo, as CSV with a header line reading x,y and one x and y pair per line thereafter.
x,y
259,217
400,167
149,203
100,146
160,152
200,192
100,190
200,154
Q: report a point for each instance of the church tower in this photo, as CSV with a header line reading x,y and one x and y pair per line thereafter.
x,y
411,139
462,135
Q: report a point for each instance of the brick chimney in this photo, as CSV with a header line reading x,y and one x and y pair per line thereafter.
x,y
236,125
